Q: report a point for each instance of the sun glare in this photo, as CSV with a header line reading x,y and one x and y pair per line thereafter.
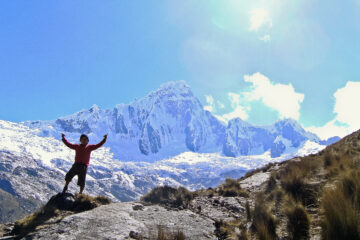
x,y
259,17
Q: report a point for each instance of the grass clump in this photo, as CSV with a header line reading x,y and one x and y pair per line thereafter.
x,y
271,183
234,229
169,196
85,202
163,234
59,206
293,182
341,209
248,211
232,188
264,223
30,222
298,221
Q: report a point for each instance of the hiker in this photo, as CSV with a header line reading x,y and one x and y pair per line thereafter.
x,y
82,159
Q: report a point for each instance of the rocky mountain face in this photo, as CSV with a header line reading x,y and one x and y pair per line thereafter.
x,y
243,138
165,123
169,121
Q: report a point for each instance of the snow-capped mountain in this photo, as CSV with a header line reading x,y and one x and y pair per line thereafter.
x,y
165,138
25,152
243,138
165,123
169,121
32,168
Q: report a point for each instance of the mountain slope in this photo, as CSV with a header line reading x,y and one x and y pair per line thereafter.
x,y
281,200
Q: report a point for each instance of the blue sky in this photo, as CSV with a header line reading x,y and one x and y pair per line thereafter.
x,y
258,60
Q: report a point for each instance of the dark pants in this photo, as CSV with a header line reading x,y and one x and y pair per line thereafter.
x,y
77,169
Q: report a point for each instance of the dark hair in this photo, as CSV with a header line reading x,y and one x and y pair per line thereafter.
x,y
84,135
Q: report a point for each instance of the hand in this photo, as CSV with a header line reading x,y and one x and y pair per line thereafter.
x,y
62,135
105,136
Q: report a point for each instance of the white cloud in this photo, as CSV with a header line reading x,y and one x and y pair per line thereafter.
x,y
347,119
234,99
210,102
280,97
211,105
259,17
347,98
330,129
209,99
239,112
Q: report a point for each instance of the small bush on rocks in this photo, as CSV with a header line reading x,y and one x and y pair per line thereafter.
x,y
232,188
169,196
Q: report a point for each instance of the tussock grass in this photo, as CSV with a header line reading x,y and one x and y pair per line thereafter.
x,y
169,196
271,183
232,188
248,211
339,165
279,196
243,235
164,234
293,182
52,210
85,202
234,229
264,223
341,208
330,158
30,222
298,221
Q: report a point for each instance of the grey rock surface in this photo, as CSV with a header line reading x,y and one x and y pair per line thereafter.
x,y
120,220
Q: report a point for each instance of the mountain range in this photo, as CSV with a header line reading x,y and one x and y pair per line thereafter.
x,y
170,121
165,138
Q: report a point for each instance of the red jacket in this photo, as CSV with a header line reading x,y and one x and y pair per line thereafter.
x,y
82,152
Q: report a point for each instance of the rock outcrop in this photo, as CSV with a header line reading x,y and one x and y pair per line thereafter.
x,y
126,220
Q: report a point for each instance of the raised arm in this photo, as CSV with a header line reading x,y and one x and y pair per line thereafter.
x,y
96,146
67,143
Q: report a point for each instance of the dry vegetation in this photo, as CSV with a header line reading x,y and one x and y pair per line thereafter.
x,y
52,213
301,196
232,188
263,222
319,190
169,196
